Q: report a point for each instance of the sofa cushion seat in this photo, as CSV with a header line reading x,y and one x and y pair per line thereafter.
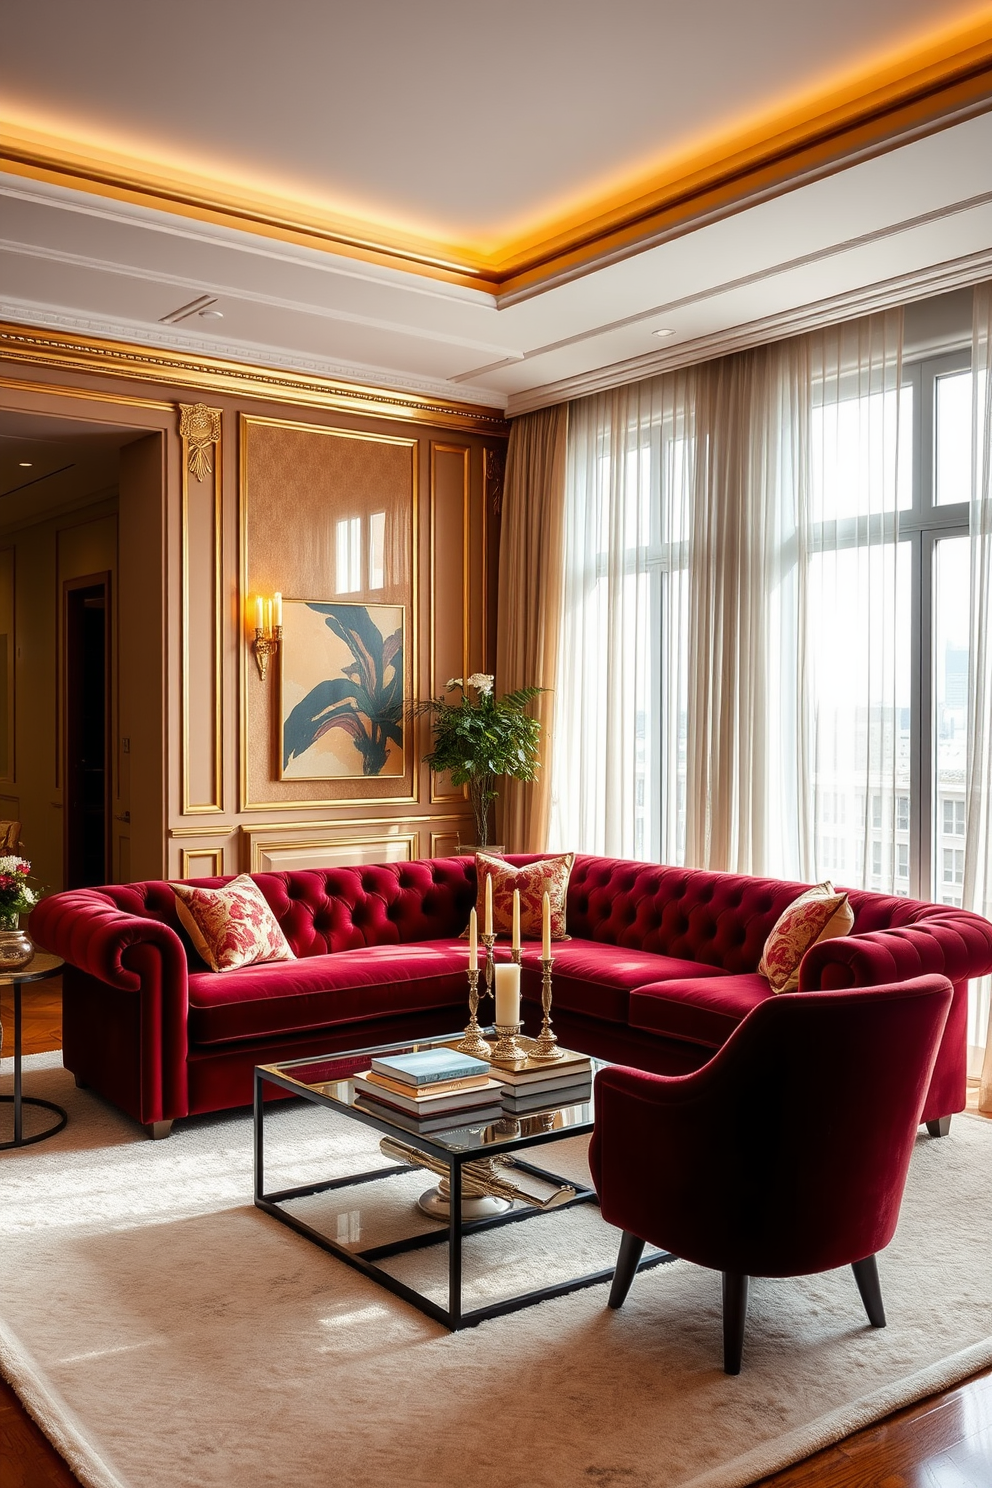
x,y
597,979
318,991
703,1010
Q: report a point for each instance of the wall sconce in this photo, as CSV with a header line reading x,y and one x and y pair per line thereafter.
x,y
268,630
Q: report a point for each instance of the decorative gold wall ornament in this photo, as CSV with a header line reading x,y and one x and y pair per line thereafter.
x,y
495,474
199,429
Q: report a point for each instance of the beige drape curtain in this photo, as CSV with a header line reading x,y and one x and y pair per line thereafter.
x,y
978,789
530,603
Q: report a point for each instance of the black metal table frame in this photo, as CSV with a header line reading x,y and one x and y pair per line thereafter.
x,y
454,1316
17,1099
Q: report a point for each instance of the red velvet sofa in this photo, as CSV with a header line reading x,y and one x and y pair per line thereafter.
x,y
659,970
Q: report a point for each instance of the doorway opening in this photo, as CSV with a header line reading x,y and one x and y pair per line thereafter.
x,y
87,816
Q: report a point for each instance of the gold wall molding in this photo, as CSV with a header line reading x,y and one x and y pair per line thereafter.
x,y
248,672
200,432
59,390
923,89
216,829
443,525
364,836
193,862
63,349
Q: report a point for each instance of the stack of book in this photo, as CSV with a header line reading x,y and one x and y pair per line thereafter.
x,y
539,1084
430,1090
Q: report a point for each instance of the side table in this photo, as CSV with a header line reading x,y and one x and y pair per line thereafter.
x,y
38,969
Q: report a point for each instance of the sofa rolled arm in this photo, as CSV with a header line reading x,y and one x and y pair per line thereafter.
x,y
89,931
950,942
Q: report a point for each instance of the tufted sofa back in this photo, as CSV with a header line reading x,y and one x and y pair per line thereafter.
x,y
721,919
338,909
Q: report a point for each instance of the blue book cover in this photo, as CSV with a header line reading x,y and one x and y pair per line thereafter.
x,y
428,1066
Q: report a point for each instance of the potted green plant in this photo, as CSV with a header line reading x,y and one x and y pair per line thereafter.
x,y
479,737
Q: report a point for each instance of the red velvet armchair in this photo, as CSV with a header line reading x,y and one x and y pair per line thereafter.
x,y
785,1155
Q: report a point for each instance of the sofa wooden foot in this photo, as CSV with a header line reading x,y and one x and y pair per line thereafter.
x,y
631,1247
157,1130
940,1127
866,1275
735,1288
80,1082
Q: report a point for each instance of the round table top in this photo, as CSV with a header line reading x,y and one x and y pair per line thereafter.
x,y
42,964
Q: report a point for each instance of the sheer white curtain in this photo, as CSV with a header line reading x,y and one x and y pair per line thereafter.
x,y
854,646
978,789
733,655
620,706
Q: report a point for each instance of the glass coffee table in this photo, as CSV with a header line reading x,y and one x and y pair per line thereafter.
x,y
328,1082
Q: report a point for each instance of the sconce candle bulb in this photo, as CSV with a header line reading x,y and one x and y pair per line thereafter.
x,y
268,630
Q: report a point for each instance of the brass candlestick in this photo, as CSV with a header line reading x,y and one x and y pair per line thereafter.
x,y
506,1050
516,954
265,645
489,941
473,1043
547,1046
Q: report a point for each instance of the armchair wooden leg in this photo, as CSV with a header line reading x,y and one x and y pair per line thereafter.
x,y
631,1247
157,1130
940,1127
734,1317
866,1275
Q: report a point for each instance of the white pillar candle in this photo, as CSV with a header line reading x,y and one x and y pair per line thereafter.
x,y
507,995
277,608
473,941
516,920
546,928
489,904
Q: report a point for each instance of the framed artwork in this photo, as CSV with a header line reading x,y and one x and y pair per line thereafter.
x,y
342,698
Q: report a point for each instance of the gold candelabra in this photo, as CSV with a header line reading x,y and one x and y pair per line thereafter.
x,y
473,1043
547,1046
489,941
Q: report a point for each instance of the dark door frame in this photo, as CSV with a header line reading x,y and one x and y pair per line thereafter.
x,y
88,581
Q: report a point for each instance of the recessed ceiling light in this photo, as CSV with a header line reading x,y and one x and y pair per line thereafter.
x,y
664,331
25,464
211,314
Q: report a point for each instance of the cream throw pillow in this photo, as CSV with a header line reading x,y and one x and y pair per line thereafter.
x,y
820,914
232,926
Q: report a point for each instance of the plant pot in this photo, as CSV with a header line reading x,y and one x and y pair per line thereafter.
x,y
464,849
16,950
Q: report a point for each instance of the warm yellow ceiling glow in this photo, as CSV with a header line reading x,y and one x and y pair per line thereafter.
x,y
48,149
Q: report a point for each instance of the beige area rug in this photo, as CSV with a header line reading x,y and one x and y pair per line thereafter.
x,y
166,1334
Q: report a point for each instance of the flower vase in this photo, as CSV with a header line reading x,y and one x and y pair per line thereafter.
x,y
16,948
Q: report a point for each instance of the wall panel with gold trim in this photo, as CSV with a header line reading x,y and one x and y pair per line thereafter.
x,y
331,515
202,763
458,577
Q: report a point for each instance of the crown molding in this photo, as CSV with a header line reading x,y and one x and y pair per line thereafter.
x,y
45,346
925,90
924,284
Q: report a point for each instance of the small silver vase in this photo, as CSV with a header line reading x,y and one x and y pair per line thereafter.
x,y
16,950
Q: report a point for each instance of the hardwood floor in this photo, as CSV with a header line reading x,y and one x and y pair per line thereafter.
x,y
942,1442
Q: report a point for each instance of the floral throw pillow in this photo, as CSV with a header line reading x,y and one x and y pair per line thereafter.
x,y
534,880
820,914
232,926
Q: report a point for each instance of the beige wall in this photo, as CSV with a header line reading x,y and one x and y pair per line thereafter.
x,y
195,757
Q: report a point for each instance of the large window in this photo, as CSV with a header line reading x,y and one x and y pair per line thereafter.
x,y
909,571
